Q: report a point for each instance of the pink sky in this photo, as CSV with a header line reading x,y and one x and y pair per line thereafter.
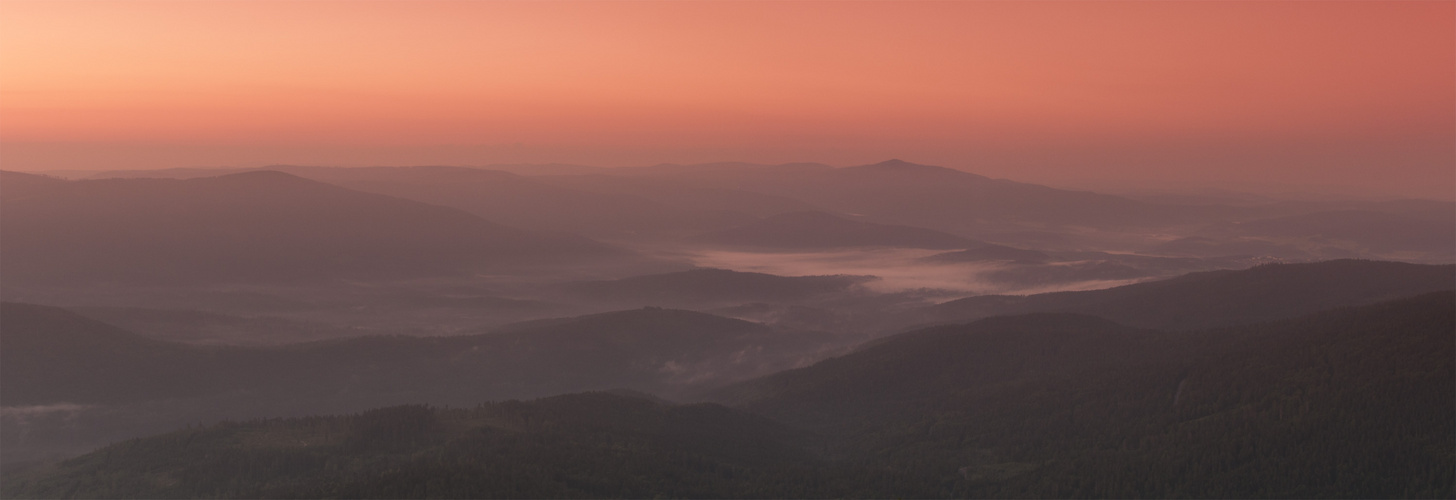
x,y
1313,94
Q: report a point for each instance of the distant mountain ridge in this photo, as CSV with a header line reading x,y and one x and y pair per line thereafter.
x,y
959,202
254,226
667,202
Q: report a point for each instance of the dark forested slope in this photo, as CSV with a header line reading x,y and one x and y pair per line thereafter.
x,y
1352,403
580,446
1356,402
1219,298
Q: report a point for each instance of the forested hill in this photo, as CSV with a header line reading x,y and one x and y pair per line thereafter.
x,y
577,446
1355,402
53,356
1352,403
1219,298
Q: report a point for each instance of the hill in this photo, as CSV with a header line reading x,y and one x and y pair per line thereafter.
x,y
899,192
1218,298
206,327
581,200
990,253
50,355
1357,402
1428,231
251,227
533,203
1075,406
822,231
708,288
580,446
54,356
70,384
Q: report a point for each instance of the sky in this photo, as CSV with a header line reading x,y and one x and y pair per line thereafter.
x,y
1355,97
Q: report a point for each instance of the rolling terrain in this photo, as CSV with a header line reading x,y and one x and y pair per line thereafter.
x,y
71,383
253,227
1036,405
1218,298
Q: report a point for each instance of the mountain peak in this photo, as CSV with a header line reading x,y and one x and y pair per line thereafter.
x,y
261,176
903,167
895,162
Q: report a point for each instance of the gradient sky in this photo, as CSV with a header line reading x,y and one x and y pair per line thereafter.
x,y
1306,95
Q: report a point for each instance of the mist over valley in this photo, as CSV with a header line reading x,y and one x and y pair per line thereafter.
x,y
138,303
721,249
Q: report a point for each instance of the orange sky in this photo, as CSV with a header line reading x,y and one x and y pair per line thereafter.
x,y
1091,93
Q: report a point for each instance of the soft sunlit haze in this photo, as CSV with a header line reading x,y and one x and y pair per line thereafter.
x,y
727,249
1349,97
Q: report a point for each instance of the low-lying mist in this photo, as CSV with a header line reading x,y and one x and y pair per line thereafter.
x,y
899,270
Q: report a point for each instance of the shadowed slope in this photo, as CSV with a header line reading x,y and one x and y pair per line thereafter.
x,y
579,446
1073,406
54,356
1356,402
1219,298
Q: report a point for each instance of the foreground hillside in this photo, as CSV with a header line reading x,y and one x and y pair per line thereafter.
x,y
1355,402
584,445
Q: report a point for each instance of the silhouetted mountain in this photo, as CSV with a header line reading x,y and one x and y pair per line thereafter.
x,y
707,288
677,195
251,227
670,201
529,202
898,192
821,231
990,253
583,200
1219,298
